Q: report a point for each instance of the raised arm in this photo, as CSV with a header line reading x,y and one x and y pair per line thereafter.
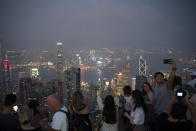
x,y
172,101
172,73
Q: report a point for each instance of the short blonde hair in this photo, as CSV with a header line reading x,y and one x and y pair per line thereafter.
x,y
25,115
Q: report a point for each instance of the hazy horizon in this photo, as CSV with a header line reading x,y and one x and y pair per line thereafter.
x,y
91,24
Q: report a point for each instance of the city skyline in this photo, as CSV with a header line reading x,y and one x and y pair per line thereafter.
x,y
98,24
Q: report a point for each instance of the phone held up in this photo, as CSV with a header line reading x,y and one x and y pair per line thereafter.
x,y
167,61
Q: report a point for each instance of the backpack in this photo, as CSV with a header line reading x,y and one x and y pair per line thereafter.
x,y
81,122
78,122
70,125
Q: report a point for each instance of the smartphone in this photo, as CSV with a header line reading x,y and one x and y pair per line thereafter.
x,y
15,108
167,61
179,94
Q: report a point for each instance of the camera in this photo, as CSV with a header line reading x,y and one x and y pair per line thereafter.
x,y
180,93
167,61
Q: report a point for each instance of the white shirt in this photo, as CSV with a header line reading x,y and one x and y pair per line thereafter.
x,y
138,116
128,103
59,120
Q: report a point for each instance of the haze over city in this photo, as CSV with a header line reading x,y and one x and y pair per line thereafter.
x,y
133,24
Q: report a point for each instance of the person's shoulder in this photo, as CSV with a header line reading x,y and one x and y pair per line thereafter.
x,y
60,113
139,110
86,110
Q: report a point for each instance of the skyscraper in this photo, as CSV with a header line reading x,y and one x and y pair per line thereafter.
x,y
25,90
142,66
126,73
7,73
59,61
72,81
119,84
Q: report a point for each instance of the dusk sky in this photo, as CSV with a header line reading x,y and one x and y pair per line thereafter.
x,y
88,24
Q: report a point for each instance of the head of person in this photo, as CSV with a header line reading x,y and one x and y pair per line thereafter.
x,y
178,111
9,100
25,115
53,102
78,101
193,75
109,110
159,78
146,88
127,90
34,105
138,99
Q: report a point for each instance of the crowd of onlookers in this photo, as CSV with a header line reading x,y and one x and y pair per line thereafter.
x,y
166,105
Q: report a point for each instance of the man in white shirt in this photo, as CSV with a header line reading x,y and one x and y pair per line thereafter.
x,y
59,119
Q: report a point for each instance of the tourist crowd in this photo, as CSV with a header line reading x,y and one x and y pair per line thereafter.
x,y
164,105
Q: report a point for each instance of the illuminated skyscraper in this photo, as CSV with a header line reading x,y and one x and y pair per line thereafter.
x,y
119,84
59,61
72,81
25,90
34,73
7,73
126,73
133,83
142,66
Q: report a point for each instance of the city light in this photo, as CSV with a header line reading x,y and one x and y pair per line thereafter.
x,y
15,108
59,43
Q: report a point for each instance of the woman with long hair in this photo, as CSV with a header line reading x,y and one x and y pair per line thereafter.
x,y
137,115
109,111
80,113
149,101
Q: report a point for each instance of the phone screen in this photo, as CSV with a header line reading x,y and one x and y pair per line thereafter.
x,y
179,94
15,108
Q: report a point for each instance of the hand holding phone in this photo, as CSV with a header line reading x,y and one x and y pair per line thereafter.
x,y
167,61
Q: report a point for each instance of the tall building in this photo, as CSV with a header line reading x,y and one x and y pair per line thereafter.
x,y
7,73
126,73
24,90
58,88
72,81
119,84
142,66
34,73
133,83
59,61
